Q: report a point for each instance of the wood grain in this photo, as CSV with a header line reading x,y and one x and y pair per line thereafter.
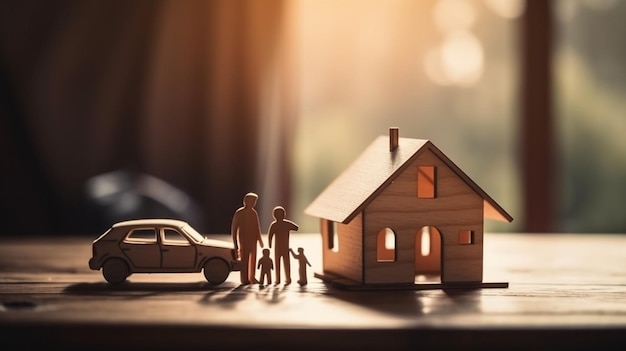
x,y
347,259
456,207
566,291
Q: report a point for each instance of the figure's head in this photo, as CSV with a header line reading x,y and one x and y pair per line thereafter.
x,y
300,250
250,199
266,252
279,213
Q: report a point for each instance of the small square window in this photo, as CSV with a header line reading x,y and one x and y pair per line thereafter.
x,y
466,237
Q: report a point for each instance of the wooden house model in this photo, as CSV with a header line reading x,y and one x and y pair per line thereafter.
x,y
403,211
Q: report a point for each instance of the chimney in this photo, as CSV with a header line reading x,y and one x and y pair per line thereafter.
x,y
393,138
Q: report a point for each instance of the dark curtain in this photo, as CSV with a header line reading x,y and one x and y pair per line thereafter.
x,y
124,109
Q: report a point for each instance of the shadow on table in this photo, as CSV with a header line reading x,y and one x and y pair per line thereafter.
x,y
227,298
149,287
401,303
409,304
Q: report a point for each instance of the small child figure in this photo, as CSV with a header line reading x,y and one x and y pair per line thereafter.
x,y
266,265
302,260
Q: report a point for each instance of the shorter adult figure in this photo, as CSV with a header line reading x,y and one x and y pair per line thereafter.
x,y
280,228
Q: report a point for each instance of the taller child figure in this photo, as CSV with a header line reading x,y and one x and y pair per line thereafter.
x,y
246,231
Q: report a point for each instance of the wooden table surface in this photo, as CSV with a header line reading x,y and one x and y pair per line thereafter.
x,y
565,291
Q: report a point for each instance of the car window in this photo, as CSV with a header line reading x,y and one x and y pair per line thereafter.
x,y
146,235
173,237
193,233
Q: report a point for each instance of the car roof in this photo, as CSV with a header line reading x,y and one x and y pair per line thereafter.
x,y
151,222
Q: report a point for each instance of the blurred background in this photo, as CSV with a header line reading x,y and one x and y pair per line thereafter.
x,y
111,110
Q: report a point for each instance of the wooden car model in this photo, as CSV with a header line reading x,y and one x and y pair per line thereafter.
x,y
161,246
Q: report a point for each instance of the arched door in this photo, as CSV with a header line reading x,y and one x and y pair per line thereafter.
x,y
428,254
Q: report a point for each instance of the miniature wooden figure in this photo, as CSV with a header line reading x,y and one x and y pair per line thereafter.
x,y
246,232
303,262
160,246
265,265
399,194
280,229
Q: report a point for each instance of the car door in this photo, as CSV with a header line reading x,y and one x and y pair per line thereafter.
x,y
177,252
142,249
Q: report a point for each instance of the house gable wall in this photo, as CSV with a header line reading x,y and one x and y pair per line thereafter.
x,y
347,261
456,207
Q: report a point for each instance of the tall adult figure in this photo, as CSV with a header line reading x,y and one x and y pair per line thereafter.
x,y
246,231
281,228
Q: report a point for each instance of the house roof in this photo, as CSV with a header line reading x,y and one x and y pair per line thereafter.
x,y
376,167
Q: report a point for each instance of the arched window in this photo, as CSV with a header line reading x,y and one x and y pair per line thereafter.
x,y
386,245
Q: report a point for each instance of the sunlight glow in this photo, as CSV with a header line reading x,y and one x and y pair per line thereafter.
x,y
462,56
458,61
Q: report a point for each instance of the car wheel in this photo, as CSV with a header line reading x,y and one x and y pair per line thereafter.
x,y
216,271
115,270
